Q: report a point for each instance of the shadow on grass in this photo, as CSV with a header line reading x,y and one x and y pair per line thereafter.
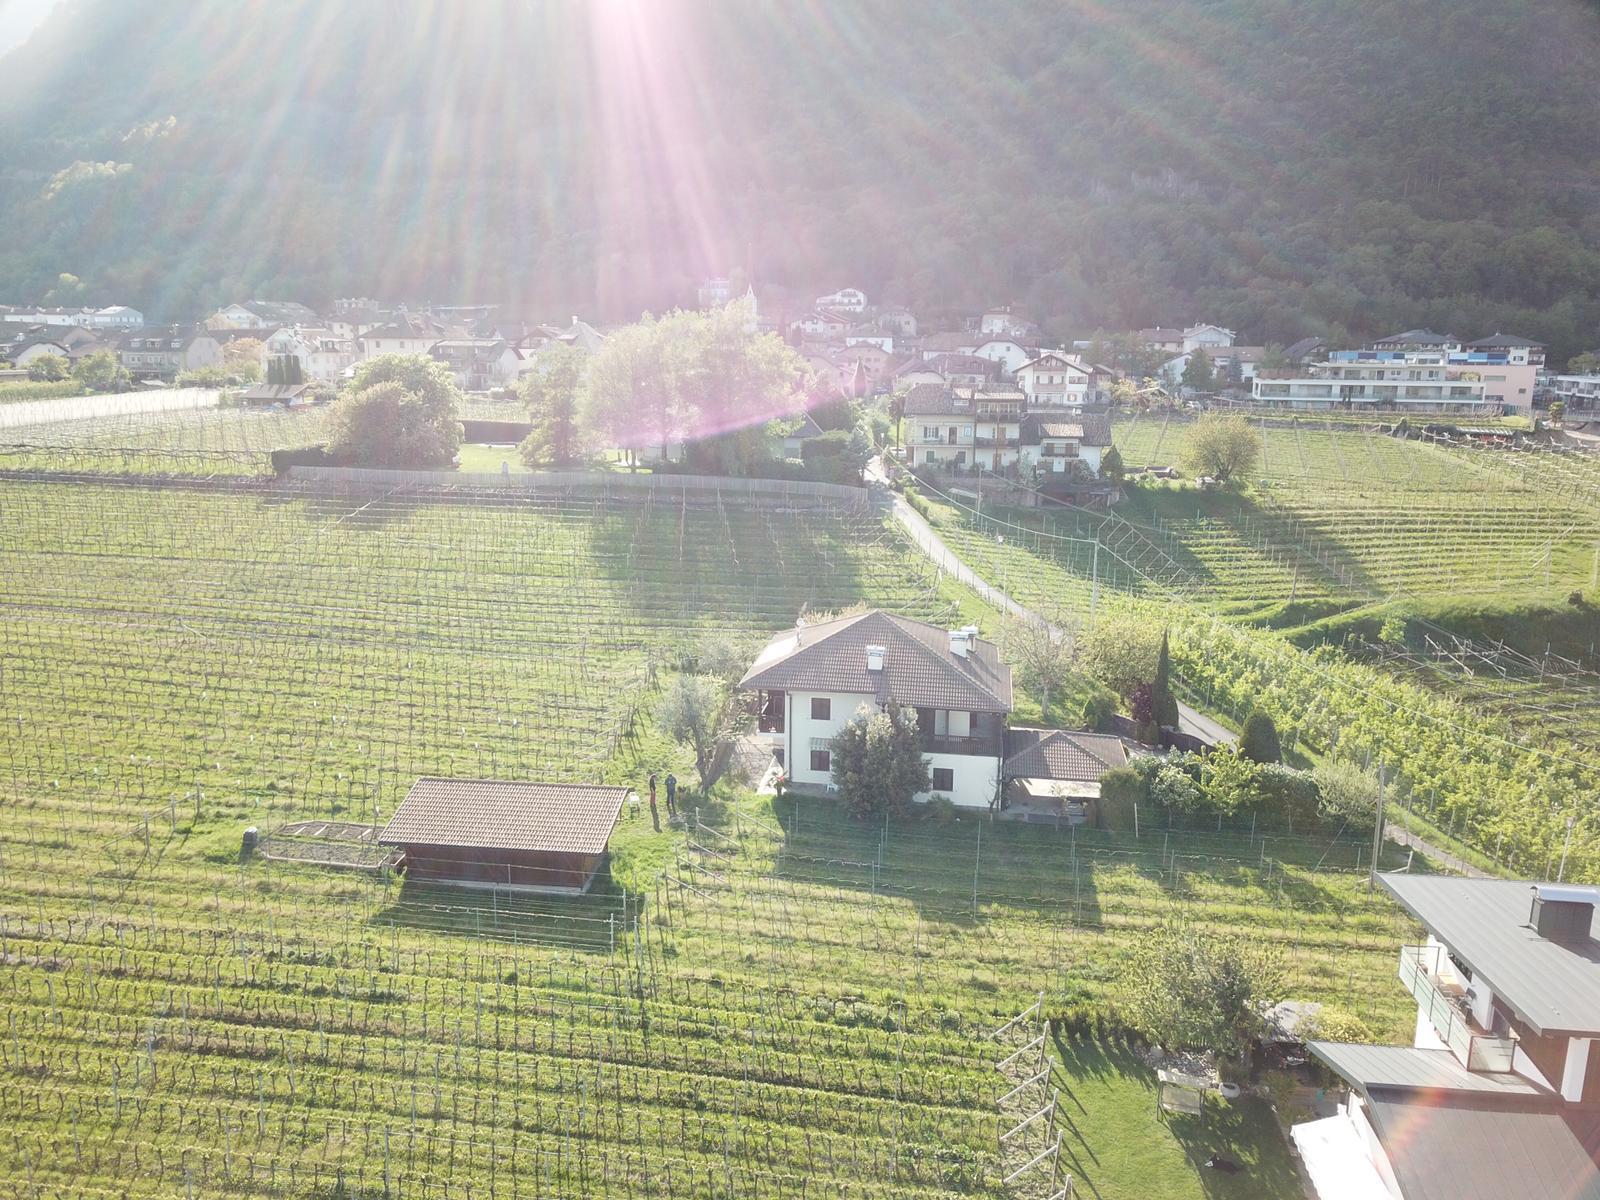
x,y
595,922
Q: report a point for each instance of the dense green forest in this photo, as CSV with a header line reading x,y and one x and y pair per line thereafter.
x,y
1282,166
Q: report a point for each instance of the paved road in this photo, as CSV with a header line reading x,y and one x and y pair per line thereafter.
x,y
1190,720
76,408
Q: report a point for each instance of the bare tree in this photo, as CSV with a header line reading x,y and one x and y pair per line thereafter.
x,y
1043,653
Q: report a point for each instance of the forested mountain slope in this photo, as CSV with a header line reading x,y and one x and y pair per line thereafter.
x,y
1283,166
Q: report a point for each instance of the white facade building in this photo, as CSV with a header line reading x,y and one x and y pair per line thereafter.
x,y
1056,380
811,681
1578,392
850,300
1011,354
1388,379
1208,337
322,354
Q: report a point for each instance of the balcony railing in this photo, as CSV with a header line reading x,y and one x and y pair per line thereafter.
x,y
1448,1013
987,745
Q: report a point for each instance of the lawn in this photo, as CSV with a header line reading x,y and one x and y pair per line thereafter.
x,y
1119,1146
476,457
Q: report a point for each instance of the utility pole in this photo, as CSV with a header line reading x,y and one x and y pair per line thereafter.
x,y
1377,837
1094,578
1565,846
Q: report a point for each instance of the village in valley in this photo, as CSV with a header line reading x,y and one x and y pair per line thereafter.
x,y
775,742
666,600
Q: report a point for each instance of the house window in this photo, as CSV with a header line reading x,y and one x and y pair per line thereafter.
x,y
821,756
944,779
821,708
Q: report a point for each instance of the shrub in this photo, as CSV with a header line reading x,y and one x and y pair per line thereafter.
x,y
1336,1025
1121,788
941,810
1260,740
1290,794
49,368
1348,795
1098,709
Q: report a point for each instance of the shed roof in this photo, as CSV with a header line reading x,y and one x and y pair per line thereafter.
x,y
1554,988
919,668
1477,1152
275,393
553,818
1059,754
1411,1069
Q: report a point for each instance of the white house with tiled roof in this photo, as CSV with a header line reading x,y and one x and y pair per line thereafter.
x,y
809,682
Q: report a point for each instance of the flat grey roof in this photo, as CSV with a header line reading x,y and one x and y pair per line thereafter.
x,y
1470,1152
1407,1068
1554,988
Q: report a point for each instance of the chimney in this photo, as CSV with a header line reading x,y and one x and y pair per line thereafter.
x,y
959,643
1563,913
874,658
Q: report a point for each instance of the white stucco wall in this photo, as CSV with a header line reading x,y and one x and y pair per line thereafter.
x,y
973,785
802,729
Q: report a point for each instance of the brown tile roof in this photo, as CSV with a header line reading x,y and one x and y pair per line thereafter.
x,y
1058,754
1091,428
555,818
919,668
933,400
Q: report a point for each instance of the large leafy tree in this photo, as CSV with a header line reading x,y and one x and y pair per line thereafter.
x,y
1190,989
1198,373
1121,652
49,368
1222,446
878,763
550,391
101,372
692,376
400,411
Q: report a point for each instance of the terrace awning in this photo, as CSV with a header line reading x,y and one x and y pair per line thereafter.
x,y
1337,1161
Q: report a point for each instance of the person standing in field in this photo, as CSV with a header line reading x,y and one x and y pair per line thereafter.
x,y
672,794
655,817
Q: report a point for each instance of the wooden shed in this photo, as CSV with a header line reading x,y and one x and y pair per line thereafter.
x,y
547,837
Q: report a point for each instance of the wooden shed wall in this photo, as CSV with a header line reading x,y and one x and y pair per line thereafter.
x,y
507,868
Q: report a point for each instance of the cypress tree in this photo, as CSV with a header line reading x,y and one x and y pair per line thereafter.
x,y
1164,703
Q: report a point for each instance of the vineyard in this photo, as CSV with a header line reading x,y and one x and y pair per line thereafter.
x,y
1492,746
776,1002
1365,515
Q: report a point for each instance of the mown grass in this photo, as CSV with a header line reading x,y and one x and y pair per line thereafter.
x,y
1118,1145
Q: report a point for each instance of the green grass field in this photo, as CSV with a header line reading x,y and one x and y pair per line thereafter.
x,y
776,1003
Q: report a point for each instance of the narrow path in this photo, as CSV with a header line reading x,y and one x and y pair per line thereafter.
x,y
886,499
1394,832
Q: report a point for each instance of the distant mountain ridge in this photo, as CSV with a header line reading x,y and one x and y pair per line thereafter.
x,y
1283,167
